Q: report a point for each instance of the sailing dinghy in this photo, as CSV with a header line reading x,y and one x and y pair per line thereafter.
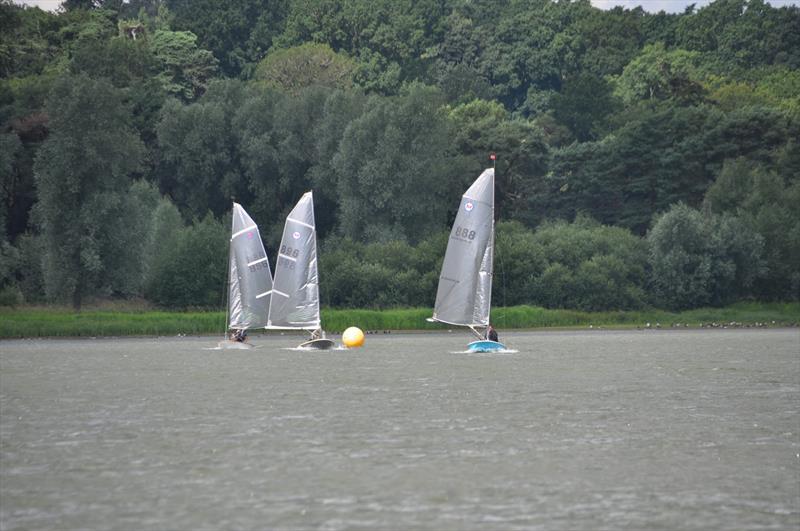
x,y
294,303
464,296
249,280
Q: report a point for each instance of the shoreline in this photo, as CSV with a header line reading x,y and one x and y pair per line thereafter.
x,y
61,322
257,335
543,330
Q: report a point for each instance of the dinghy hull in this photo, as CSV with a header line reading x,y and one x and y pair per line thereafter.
x,y
485,345
318,344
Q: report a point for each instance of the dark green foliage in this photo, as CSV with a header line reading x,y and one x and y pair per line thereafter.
x,y
24,268
29,40
82,175
581,265
743,33
381,275
387,110
185,69
385,164
10,149
583,105
238,33
483,127
699,260
277,137
200,167
190,269
304,66
657,159
768,203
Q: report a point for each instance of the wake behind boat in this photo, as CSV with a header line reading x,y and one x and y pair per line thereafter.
x,y
464,295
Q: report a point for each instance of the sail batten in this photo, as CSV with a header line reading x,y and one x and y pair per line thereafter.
x,y
249,275
464,294
244,230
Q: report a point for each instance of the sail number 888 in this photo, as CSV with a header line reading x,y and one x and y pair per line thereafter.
x,y
464,232
288,251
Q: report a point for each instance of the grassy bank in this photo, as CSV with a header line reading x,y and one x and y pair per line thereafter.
x,y
60,322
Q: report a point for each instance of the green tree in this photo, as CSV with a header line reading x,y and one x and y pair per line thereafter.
x,y
28,274
277,142
610,39
658,74
583,105
388,38
768,204
482,127
384,164
29,40
742,33
658,158
82,174
698,260
126,253
10,148
191,272
164,225
237,33
306,65
339,109
199,166
185,69
518,263
588,266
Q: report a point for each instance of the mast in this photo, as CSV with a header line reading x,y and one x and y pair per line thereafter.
x,y
230,272
493,158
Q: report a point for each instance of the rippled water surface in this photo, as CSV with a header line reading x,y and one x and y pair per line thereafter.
x,y
575,430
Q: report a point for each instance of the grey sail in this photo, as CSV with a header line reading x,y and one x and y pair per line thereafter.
x,y
295,291
464,296
249,276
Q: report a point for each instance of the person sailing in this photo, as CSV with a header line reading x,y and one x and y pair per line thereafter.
x,y
491,334
240,336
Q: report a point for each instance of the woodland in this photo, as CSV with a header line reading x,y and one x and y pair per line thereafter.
x,y
643,160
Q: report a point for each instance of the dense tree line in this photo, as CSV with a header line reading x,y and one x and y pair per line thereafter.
x,y
643,159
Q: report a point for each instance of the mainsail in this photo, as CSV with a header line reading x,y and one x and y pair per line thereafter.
x,y
249,276
464,296
295,292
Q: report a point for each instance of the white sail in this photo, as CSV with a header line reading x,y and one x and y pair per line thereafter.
x,y
249,275
464,295
295,291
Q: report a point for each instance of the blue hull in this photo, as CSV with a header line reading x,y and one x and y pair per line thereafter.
x,y
485,345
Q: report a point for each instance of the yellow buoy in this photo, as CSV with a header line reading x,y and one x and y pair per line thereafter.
x,y
353,337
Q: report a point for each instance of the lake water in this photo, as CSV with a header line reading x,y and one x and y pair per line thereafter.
x,y
575,430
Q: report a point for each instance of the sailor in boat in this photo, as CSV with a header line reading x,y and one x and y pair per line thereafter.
x,y
491,334
239,336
